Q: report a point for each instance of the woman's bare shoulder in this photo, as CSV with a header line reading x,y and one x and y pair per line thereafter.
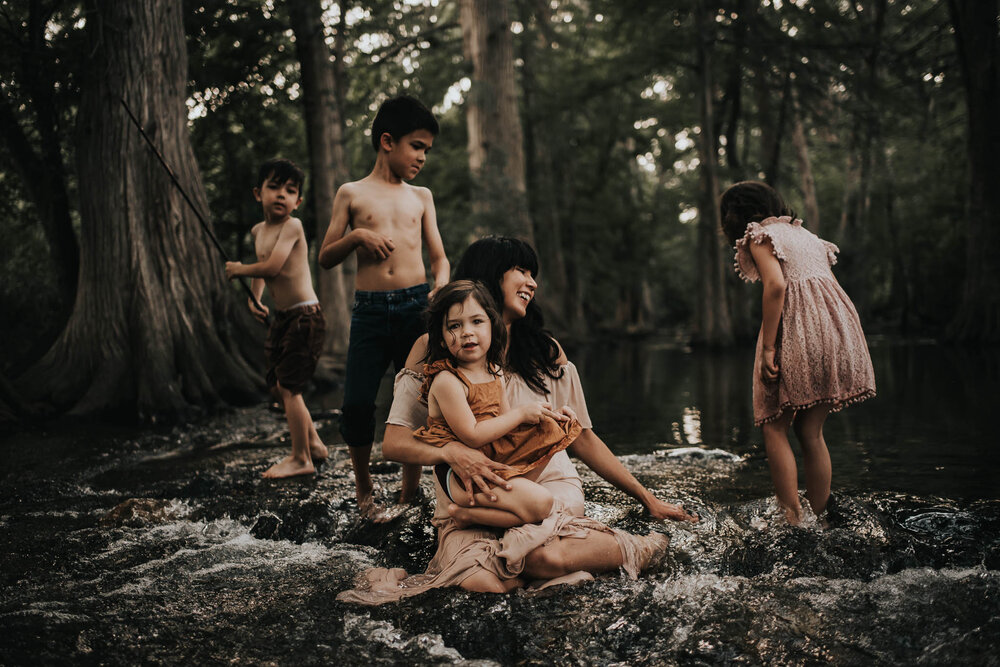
x,y
562,359
415,360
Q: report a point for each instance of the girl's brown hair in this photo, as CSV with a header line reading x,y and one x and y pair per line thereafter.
x,y
746,202
458,291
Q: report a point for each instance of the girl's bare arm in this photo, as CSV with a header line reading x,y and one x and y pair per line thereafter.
x,y
449,394
773,302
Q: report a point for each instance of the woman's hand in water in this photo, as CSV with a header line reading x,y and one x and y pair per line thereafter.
x,y
475,469
662,511
768,367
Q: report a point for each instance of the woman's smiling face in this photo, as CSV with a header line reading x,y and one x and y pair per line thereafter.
x,y
518,288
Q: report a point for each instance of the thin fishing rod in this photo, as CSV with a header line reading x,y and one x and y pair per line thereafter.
x,y
177,184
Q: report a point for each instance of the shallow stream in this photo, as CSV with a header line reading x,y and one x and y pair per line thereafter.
x,y
165,546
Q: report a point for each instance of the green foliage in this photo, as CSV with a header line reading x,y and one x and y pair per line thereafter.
x,y
610,111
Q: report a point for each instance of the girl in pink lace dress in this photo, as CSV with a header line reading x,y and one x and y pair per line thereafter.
x,y
811,358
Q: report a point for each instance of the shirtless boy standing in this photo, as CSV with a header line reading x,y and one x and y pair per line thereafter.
x,y
388,219
295,338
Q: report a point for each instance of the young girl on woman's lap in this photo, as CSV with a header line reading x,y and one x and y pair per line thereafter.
x,y
466,402
811,358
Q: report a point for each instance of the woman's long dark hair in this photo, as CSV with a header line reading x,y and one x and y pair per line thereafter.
x,y
457,291
533,352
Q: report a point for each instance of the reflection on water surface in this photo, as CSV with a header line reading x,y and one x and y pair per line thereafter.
x,y
926,432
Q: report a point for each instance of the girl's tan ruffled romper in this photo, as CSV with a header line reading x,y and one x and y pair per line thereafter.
x,y
524,449
820,351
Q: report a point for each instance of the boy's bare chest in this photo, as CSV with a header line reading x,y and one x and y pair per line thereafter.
x,y
397,214
265,240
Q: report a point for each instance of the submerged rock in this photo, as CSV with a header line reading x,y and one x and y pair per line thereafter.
x,y
143,511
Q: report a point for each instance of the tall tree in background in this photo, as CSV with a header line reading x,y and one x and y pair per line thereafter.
x,y
321,81
562,305
713,325
496,141
154,324
976,25
33,137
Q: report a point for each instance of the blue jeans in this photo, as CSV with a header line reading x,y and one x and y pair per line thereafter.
x,y
383,328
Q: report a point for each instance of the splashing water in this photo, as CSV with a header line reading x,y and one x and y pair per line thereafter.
x,y
166,547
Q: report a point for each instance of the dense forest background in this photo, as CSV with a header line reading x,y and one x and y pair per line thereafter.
x,y
602,131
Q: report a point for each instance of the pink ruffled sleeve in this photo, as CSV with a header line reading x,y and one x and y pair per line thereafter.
x,y
745,267
831,251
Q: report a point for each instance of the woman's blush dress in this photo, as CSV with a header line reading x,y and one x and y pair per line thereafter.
x,y
463,552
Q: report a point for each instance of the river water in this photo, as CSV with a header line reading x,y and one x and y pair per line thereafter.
x,y
165,546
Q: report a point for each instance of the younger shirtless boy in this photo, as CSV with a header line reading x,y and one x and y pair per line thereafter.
x,y
295,338
388,219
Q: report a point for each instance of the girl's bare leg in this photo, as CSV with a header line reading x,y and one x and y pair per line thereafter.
x,y
781,461
815,456
480,516
487,582
525,502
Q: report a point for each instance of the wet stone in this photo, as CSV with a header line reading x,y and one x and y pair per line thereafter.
x,y
141,511
168,548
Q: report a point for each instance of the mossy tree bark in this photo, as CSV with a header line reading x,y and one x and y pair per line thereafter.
x,y
156,330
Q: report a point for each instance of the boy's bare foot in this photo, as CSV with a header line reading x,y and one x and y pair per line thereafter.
x,y
318,451
371,510
289,467
408,498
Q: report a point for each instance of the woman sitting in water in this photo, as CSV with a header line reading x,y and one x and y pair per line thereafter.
x,y
464,391
566,544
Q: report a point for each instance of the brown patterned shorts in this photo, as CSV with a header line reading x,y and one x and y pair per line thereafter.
x,y
293,346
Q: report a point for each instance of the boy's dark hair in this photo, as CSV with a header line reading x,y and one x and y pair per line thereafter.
x,y
533,352
746,202
454,292
283,171
400,116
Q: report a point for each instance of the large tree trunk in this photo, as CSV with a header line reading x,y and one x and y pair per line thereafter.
x,y
978,316
805,168
155,329
496,142
771,122
713,324
325,133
